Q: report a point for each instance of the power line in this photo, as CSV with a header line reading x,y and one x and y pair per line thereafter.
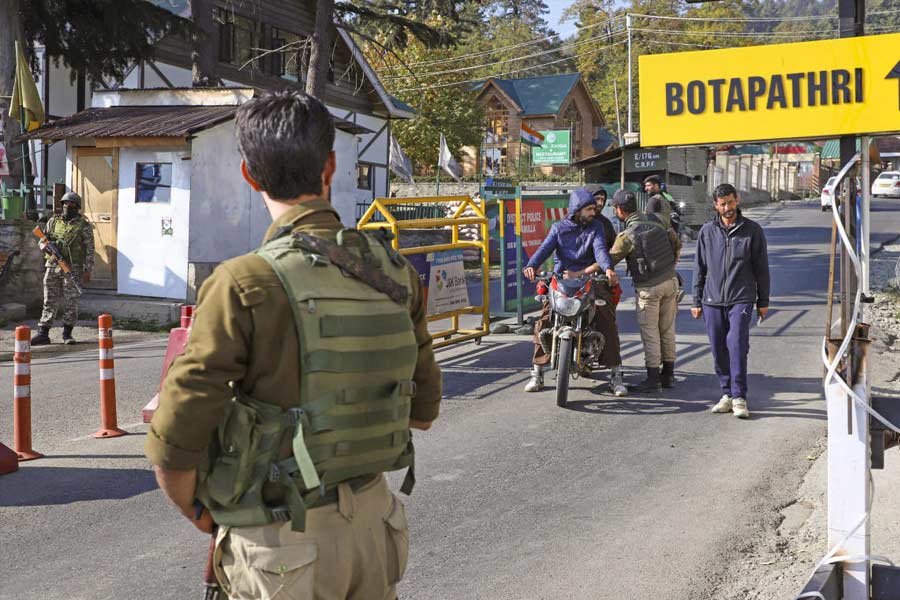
x,y
445,85
681,44
773,35
518,58
734,19
512,47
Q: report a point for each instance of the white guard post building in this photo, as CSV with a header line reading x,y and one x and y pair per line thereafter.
x,y
157,164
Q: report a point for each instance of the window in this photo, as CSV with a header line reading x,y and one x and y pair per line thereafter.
x,y
239,37
572,118
497,117
153,182
289,62
365,179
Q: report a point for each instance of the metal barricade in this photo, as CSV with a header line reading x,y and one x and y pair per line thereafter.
x,y
379,216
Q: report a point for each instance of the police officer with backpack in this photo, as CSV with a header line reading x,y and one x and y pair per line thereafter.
x,y
651,252
309,363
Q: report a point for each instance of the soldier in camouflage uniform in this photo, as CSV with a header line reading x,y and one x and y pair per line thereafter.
x,y
74,237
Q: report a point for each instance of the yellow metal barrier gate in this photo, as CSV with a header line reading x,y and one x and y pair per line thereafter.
x,y
382,206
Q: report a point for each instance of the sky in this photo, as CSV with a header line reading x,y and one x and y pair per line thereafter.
x,y
556,10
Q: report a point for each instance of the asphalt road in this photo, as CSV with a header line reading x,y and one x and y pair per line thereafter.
x,y
638,497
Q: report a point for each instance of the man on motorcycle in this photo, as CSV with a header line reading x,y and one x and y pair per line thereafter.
x,y
581,250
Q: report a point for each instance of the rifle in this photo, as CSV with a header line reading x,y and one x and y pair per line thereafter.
x,y
51,249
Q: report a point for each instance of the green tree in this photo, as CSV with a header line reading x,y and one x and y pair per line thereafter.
x,y
98,38
449,110
606,68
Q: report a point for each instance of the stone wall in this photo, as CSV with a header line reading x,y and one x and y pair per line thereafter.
x,y
423,188
24,285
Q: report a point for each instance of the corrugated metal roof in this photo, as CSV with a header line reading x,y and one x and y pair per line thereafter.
x,y
149,121
134,121
541,95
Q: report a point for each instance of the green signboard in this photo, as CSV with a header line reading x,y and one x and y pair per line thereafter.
x,y
556,149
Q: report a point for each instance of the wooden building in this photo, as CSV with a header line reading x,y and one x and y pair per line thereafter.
x,y
545,103
362,108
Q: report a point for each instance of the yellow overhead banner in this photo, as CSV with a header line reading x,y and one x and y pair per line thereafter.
x,y
782,91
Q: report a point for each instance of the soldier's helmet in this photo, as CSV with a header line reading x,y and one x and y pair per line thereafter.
x,y
71,197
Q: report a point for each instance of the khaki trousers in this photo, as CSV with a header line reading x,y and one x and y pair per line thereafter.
x,y
656,309
355,549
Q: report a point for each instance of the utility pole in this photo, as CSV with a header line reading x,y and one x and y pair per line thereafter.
x,y
849,459
630,86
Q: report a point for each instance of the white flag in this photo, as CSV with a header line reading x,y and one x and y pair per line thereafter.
x,y
400,163
447,162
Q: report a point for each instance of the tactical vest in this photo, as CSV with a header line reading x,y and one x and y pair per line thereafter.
x,y
358,353
653,259
68,239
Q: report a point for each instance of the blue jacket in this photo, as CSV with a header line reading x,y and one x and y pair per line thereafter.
x,y
576,247
731,266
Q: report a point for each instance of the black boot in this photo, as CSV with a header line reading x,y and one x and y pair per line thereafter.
x,y
42,338
667,377
67,335
651,384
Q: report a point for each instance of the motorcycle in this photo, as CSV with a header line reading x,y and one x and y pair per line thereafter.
x,y
572,345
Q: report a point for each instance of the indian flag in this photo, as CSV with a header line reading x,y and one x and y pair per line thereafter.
x,y
531,137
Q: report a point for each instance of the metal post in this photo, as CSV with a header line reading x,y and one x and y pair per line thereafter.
x,y
865,230
520,316
628,27
501,215
848,424
45,157
618,120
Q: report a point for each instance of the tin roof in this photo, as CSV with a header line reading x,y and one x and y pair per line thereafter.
x,y
148,121
134,121
541,95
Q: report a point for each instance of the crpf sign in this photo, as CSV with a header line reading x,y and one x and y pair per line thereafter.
x,y
645,159
782,91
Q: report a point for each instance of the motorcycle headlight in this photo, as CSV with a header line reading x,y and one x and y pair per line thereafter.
x,y
567,307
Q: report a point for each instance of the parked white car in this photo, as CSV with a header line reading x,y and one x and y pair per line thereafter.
x,y
828,193
887,184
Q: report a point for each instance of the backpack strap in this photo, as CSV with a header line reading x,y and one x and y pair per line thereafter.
x,y
371,275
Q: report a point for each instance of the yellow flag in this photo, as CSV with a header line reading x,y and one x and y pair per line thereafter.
x,y
25,95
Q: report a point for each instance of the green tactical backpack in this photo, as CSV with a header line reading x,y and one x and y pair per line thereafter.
x,y
358,353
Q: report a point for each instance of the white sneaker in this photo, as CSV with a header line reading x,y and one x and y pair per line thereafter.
x,y
618,386
739,407
724,405
536,383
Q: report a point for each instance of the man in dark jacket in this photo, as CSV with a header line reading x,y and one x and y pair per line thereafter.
x,y
659,203
731,274
609,230
611,356
580,248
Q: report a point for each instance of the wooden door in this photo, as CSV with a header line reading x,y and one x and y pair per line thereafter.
x,y
95,177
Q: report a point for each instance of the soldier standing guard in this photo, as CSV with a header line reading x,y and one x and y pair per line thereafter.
x,y
323,337
73,236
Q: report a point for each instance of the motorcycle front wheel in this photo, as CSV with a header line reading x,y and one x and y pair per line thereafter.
x,y
562,373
